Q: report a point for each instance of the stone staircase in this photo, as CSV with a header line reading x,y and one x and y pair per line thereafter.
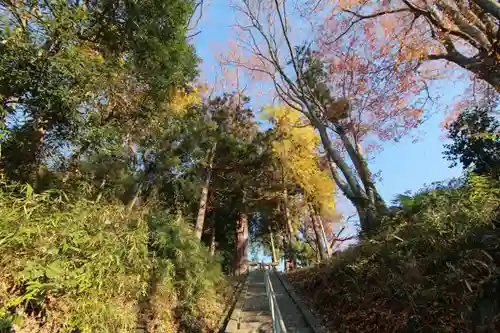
x,y
252,313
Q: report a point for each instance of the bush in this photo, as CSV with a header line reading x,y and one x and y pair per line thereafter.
x,y
101,267
435,267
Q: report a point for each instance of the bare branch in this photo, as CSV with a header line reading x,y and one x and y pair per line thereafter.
x,y
198,6
193,35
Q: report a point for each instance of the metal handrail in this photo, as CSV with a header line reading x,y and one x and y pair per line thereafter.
x,y
278,323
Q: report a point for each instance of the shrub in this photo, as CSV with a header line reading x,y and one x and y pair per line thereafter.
x,y
100,267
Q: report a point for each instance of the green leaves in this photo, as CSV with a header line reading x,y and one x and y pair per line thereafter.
x,y
87,92
91,263
70,74
54,270
475,143
32,271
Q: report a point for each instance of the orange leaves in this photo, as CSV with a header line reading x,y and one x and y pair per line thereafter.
x,y
376,70
454,30
389,23
450,117
365,60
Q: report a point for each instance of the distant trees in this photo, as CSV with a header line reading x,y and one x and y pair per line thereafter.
x,y
298,167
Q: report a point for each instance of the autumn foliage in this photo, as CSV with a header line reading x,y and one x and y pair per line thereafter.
x,y
296,149
462,33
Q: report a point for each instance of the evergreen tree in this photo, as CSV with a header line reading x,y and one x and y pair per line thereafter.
x,y
476,142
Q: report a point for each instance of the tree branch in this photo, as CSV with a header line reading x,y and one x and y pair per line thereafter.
x,y
376,14
469,32
490,6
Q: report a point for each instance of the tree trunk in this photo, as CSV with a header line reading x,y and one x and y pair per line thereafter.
x,y
352,189
325,239
212,237
200,219
490,6
292,261
317,232
484,65
288,221
366,199
368,217
318,254
486,68
241,251
273,249
289,257
286,210
364,172
290,265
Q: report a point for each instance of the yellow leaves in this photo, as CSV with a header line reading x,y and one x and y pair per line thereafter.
x,y
293,125
296,149
182,99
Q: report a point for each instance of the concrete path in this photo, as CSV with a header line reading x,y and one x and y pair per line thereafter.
x,y
252,314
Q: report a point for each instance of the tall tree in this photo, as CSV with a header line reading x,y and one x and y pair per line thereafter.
x,y
71,68
270,48
236,174
225,119
320,244
298,163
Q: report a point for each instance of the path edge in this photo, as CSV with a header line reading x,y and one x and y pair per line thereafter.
x,y
308,316
234,320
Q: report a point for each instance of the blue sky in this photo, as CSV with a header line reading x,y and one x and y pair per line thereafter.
x,y
404,165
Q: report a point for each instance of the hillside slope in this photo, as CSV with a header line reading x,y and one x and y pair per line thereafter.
x,y
435,267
